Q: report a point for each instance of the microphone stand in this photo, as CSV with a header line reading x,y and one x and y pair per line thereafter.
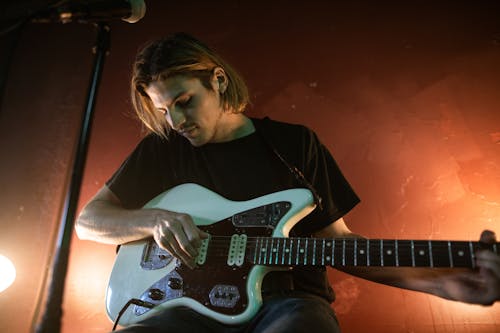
x,y
51,319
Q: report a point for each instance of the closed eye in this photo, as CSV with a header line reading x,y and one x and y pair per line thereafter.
x,y
184,103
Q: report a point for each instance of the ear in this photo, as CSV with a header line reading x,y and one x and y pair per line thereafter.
x,y
220,80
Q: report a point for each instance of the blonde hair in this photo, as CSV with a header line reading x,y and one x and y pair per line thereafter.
x,y
180,54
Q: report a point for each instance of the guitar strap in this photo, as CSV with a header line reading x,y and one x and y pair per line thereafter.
x,y
281,282
261,129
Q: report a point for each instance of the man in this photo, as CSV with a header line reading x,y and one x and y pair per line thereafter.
x,y
192,101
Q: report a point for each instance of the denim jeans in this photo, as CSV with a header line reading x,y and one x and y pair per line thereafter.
x,y
293,312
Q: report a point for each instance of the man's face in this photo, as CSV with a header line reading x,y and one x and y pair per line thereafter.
x,y
190,109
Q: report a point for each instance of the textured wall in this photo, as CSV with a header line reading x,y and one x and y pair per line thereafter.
x,y
405,96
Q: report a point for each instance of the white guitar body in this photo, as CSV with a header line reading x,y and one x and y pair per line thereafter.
x,y
131,280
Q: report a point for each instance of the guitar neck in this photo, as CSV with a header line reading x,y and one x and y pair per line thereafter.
x,y
345,252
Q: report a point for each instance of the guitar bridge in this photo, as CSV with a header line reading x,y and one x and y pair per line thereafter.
x,y
154,257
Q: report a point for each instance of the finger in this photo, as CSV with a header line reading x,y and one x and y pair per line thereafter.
x,y
168,241
475,288
177,227
192,232
488,236
187,235
490,261
492,286
161,240
185,244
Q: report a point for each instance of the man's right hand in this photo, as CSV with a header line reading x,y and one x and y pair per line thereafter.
x,y
178,234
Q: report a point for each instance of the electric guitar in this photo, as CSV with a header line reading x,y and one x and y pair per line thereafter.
x,y
247,240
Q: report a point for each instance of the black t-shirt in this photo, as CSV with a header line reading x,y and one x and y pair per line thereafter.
x,y
243,169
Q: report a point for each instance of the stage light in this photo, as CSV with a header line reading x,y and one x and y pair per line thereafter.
x,y
7,273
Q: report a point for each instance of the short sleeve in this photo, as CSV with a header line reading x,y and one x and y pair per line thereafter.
x,y
323,173
300,147
140,177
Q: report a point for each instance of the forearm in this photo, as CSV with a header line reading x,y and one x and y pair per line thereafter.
x,y
104,222
428,280
441,282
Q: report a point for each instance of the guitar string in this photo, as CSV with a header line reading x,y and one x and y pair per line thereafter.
x,y
219,247
349,242
404,259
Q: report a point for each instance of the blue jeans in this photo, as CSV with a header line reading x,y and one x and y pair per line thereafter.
x,y
296,312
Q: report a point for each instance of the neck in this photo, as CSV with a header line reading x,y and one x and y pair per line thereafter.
x,y
234,126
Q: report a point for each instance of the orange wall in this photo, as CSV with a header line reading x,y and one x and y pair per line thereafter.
x,y
406,98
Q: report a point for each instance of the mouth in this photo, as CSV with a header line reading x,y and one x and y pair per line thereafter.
x,y
188,131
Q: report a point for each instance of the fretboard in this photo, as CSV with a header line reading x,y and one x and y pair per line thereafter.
x,y
363,252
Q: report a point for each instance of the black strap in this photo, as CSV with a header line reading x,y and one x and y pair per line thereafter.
x,y
292,168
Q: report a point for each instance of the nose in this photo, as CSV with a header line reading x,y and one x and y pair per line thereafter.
x,y
177,118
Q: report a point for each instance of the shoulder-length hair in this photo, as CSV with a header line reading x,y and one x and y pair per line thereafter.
x,y
180,54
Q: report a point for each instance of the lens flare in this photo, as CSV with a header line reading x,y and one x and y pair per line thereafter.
x,y
7,273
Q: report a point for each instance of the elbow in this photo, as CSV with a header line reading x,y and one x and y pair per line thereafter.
x,y
83,226
79,230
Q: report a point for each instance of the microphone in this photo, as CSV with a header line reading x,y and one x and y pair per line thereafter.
x,y
87,11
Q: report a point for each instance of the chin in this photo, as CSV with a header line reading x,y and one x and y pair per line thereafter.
x,y
197,142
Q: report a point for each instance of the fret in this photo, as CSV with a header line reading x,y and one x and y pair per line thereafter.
x,y
367,252
333,252
404,253
290,252
256,250
323,254
281,254
276,251
343,252
431,261
412,253
305,252
266,250
472,255
355,252
283,251
314,252
298,252
261,249
396,252
381,242
271,251
264,244
450,256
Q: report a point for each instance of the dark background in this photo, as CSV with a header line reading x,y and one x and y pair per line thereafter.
x,y
405,94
